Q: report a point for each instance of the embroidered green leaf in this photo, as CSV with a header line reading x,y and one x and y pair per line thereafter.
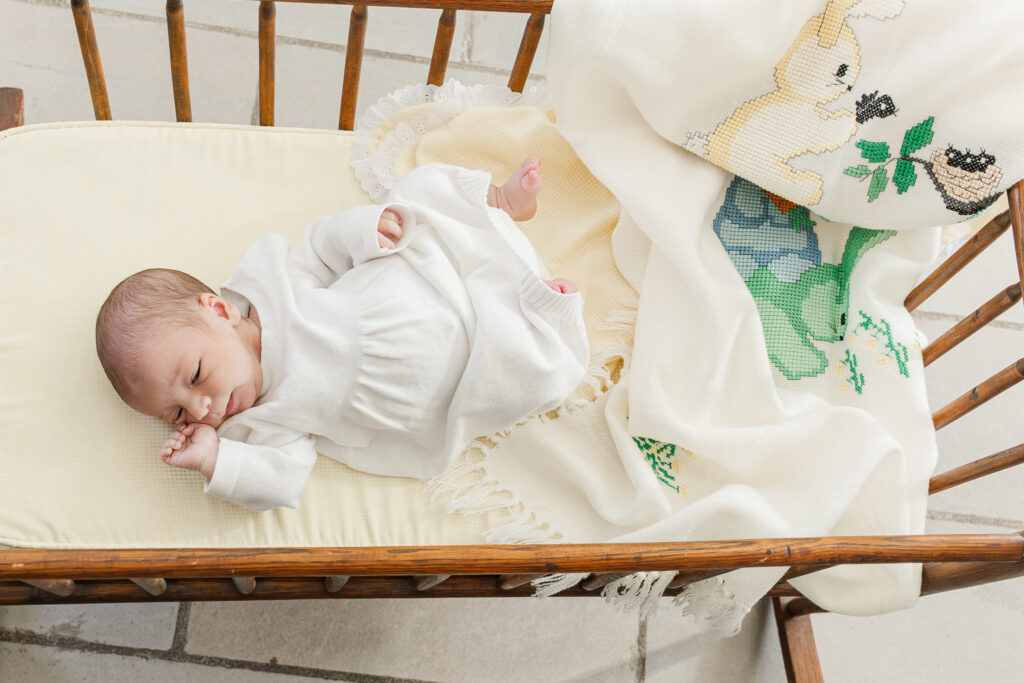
x,y
876,152
918,136
856,379
879,181
882,331
800,218
905,176
857,171
660,456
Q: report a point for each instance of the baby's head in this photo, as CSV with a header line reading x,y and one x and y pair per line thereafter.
x,y
175,350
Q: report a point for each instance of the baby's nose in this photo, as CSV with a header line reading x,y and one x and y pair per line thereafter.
x,y
203,407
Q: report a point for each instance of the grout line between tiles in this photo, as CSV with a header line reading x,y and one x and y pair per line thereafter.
x,y
254,120
467,39
641,651
181,627
48,3
967,518
954,317
24,637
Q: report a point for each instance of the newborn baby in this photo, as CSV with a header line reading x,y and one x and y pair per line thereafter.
x,y
387,339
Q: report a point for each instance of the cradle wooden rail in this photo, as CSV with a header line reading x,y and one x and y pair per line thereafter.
x,y
88,576
956,560
537,9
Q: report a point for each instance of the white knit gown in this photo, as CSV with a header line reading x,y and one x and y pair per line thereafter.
x,y
391,361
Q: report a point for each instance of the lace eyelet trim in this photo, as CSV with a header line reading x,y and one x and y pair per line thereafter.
x,y
376,169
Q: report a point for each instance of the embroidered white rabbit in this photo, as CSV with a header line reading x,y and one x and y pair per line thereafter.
x,y
761,137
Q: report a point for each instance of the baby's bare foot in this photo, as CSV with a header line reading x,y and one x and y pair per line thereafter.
x,y
518,196
561,286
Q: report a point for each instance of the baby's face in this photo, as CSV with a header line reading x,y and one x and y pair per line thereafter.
x,y
205,375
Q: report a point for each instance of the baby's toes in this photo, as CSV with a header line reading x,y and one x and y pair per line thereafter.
x,y
530,164
562,286
531,182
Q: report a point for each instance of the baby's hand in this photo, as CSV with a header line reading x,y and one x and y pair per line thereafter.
x,y
389,229
193,447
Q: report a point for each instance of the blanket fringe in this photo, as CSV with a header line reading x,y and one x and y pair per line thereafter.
x,y
551,584
709,601
638,592
472,492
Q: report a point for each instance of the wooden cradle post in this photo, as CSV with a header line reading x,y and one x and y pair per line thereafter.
x,y
12,108
179,60
91,57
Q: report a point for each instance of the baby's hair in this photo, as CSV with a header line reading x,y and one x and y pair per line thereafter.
x,y
134,310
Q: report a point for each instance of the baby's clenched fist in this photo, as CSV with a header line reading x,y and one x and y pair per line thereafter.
x,y
389,229
193,446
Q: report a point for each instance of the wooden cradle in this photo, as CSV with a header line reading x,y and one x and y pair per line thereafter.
x,y
89,576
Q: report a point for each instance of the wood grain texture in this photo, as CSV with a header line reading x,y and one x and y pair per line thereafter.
x,y
988,312
685,578
151,586
285,588
986,391
939,577
12,108
978,468
799,652
179,60
442,47
59,587
353,67
267,30
91,59
960,258
333,584
502,559
425,583
600,580
1015,197
522,6
510,581
527,50
290,588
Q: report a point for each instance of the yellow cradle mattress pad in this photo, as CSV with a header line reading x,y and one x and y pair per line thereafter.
x,y
83,205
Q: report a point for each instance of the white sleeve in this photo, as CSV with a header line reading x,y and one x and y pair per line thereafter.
x,y
334,244
262,477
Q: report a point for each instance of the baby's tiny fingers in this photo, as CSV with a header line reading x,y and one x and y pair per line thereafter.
x,y
384,242
390,228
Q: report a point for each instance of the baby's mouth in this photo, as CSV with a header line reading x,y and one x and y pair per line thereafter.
x,y
230,405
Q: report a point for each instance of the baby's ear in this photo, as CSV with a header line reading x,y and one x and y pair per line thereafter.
x,y
222,308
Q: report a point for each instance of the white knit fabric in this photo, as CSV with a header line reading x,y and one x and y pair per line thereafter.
x,y
392,361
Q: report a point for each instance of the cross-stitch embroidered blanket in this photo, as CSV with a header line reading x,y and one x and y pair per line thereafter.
x,y
776,384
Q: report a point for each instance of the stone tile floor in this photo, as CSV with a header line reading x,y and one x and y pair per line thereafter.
x,y
965,635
